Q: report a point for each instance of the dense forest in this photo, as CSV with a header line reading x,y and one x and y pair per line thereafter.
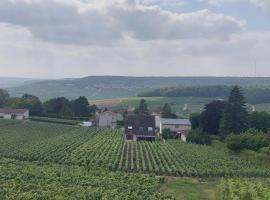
x,y
254,95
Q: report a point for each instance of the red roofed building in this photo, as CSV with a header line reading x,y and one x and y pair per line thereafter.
x,y
7,113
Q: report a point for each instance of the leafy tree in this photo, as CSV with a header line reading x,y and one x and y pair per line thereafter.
x,y
28,101
251,139
211,116
167,112
197,136
143,108
195,120
167,134
235,115
81,107
56,105
260,121
66,109
4,97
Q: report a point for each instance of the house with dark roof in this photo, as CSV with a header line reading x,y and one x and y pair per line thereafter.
x,y
180,127
140,127
7,113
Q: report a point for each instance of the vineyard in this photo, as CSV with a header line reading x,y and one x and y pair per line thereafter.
x,y
245,189
23,180
103,148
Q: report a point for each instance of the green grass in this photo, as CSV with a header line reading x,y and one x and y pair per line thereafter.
x,y
191,189
263,107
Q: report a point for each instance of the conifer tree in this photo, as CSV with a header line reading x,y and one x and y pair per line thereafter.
x,y
235,116
143,108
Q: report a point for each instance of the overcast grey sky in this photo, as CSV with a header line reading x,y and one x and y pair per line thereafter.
x,y
75,38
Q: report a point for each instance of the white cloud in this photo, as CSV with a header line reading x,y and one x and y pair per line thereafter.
x,y
265,4
197,56
60,38
81,23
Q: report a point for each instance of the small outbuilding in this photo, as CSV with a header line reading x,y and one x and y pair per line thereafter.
x,y
180,127
140,127
20,114
108,119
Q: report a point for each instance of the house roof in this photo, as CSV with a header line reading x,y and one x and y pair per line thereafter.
x,y
13,111
140,120
176,121
140,125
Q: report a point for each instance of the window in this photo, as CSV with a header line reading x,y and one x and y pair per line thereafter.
x,y
177,126
129,127
141,129
150,129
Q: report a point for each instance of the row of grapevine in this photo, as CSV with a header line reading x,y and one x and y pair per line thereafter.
x,y
244,189
25,180
105,148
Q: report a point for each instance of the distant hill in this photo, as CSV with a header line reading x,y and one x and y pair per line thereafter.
x,y
110,87
7,82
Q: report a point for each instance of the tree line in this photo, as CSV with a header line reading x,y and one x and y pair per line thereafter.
x,y
254,95
55,107
229,120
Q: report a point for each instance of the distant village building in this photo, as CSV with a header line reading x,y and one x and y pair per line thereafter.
x,y
140,127
108,119
20,114
180,127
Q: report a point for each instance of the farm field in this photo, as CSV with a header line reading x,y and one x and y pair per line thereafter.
x,y
54,161
24,180
104,148
182,105
239,189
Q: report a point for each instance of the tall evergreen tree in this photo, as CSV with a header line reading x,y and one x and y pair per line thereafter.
x,y
211,116
235,116
167,112
143,108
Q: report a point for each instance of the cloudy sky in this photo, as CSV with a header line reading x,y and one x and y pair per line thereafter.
x,y
75,38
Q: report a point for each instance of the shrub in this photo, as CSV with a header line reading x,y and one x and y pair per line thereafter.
x,y
167,134
197,136
251,139
265,150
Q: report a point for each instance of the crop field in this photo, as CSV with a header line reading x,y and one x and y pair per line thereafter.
x,y
242,189
103,148
181,105
23,180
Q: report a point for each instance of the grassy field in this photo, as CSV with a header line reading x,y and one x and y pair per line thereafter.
x,y
55,161
191,188
181,105
184,106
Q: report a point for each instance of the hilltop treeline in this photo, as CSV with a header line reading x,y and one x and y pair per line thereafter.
x,y
254,95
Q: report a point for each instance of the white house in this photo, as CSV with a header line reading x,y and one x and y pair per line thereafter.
x,y
108,119
182,127
19,114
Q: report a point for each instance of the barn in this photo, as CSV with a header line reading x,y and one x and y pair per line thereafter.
x,y
20,114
